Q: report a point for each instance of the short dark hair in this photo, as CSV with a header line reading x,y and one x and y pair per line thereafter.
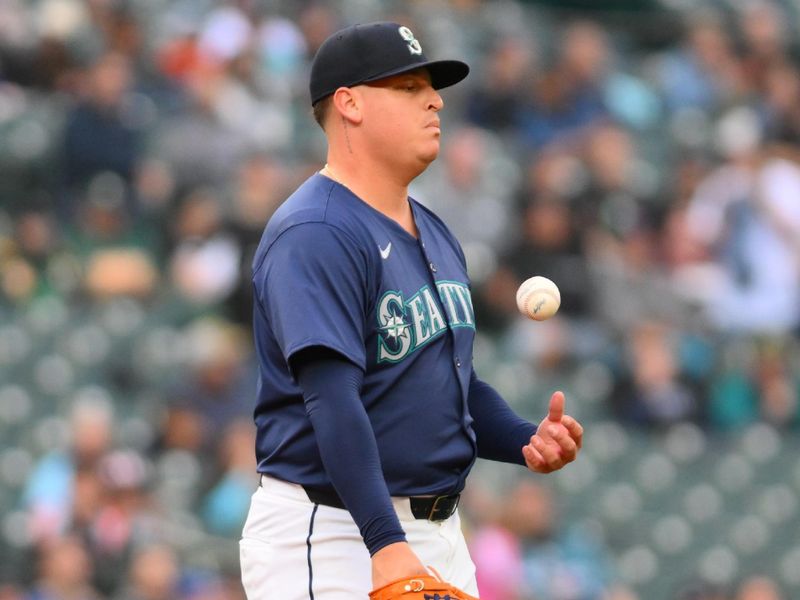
x,y
321,109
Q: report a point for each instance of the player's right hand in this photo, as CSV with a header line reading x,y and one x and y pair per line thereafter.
x,y
394,562
557,440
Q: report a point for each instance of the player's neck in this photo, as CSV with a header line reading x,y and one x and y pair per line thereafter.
x,y
385,192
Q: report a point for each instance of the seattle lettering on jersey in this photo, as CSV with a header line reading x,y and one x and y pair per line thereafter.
x,y
410,324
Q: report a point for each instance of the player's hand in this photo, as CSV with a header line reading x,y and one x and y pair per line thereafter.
x,y
557,440
394,562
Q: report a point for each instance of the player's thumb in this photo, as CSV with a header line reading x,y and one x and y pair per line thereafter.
x,y
556,407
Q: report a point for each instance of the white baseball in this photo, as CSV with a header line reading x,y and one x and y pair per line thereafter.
x,y
538,298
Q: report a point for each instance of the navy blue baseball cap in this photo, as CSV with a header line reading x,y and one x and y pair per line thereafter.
x,y
371,51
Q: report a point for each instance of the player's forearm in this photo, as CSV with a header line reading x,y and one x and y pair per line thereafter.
x,y
348,448
500,432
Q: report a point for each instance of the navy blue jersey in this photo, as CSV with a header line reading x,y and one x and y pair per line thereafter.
x,y
332,271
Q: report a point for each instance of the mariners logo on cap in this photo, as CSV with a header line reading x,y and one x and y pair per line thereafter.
x,y
413,43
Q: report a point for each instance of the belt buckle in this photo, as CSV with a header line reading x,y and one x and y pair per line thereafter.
x,y
435,508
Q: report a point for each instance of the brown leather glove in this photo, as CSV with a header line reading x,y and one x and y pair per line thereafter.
x,y
423,587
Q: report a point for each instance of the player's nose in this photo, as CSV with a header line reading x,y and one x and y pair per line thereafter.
x,y
436,102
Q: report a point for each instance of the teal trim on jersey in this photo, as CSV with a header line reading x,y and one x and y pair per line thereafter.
x,y
420,317
464,300
424,324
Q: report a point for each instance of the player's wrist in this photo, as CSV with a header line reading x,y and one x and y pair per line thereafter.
x,y
393,562
376,545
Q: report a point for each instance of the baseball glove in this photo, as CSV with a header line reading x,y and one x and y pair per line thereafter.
x,y
424,587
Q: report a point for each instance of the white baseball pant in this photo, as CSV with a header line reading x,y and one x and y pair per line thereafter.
x,y
294,549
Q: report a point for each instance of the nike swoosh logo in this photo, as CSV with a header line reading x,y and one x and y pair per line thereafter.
x,y
385,251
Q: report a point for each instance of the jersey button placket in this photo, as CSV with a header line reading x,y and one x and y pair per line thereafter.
x,y
458,362
433,267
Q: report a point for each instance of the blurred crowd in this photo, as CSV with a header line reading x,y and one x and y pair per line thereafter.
x,y
648,163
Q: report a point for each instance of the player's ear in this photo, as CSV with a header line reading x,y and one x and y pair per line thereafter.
x,y
349,104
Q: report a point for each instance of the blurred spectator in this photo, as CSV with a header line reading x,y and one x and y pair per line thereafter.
x,y
317,21
497,102
23,268
102,133
618,196
702,591
120,255
154,575
199,146
763,25
125,520
568,96
88,495
620,238
552,243
182,429
702,72
36,236
778,388
733,400
19,279
123,271
48,63
220,385
282,49
682,255
759,588
777,107
205,261
65,571
496,554
494,549
746,215
258,189
180,56
245,102
559,562
154,187
225,34
53,487
226,504
10,592
654,391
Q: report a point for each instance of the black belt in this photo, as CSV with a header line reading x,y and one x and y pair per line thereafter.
x,y
432,508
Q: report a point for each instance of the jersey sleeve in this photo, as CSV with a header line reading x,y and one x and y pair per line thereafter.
x,y
312,289
332,394
500,433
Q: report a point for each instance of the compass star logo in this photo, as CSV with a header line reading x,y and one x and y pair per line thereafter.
x,y
395,327
395,341
405,325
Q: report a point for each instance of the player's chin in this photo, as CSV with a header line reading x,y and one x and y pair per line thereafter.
x,y
430,152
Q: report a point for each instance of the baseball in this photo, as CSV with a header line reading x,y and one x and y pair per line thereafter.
x,y
538,298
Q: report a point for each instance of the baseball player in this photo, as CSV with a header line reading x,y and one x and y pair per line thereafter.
x,y
369,413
